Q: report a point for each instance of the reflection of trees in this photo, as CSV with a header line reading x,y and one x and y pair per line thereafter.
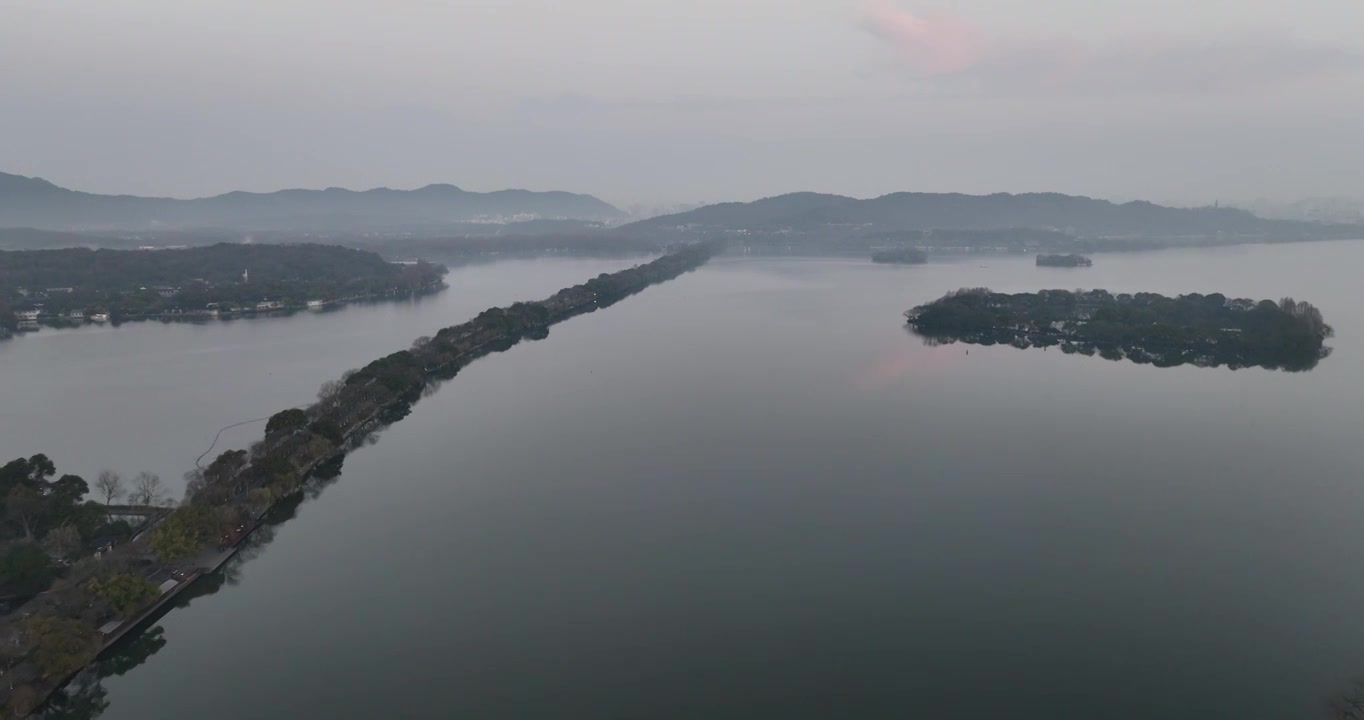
x,y
1348,704
85,697
1292,359
133,653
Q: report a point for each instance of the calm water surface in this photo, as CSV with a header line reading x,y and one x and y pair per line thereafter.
x,y
750,493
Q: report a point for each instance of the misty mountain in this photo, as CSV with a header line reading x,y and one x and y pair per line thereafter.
x,y
31,239
37,203
816,213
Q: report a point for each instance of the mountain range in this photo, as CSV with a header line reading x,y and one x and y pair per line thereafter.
x,y
37,203
803,219
807,213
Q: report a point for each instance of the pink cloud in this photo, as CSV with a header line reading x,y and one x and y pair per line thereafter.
x,y
937,44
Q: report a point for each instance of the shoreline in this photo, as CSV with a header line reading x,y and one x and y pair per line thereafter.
x,y
366,407
209,316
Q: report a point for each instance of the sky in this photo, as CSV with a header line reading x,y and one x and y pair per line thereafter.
x,y
682,101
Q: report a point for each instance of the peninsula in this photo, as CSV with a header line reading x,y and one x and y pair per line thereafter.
x,y
1204,330
81,610
1066,261
900,256
78,285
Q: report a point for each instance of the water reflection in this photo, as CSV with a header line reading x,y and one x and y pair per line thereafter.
x,y
85,697
1295,358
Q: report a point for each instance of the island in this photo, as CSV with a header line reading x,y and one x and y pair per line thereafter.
x,y
79,574
1068,261
900,256
80,285
1203,330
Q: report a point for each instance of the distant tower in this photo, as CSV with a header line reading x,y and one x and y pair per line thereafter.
x,y
246,276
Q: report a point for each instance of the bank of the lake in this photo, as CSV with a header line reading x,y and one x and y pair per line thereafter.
x,y
750,492
227,499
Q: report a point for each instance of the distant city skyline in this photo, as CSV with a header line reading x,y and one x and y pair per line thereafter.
x,y
687,101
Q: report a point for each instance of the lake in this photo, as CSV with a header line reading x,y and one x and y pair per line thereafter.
x,y
749,492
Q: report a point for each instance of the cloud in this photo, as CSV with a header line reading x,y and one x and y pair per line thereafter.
x,y
952,53
935,44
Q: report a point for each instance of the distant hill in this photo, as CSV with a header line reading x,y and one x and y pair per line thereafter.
x,y
22,238
835,215
36,203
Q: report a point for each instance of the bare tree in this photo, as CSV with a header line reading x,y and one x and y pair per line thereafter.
x,y
63,541
109,484
1347,704
147,489
421,343
330,391
195,483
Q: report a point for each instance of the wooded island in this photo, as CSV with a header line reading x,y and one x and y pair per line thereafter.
x,y
77,285
1205,330
900,256
1072,260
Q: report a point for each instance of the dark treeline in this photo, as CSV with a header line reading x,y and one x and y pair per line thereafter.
x,y
900,256
1019,239
1070,261
226,277
57,633
1204,330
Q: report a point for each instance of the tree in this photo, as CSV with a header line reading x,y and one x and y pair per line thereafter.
x,y
195,483
60,645
31,472
286,421
147,489
330,392
187,531
64,541
25,569
24,509
226,467
86,518
328,429
67,491
109,484
1347,704
126,593
116,530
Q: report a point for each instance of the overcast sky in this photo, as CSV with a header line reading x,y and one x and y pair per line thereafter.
x,y
689,100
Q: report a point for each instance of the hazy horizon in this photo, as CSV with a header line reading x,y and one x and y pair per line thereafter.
x,y
620,205
702,101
